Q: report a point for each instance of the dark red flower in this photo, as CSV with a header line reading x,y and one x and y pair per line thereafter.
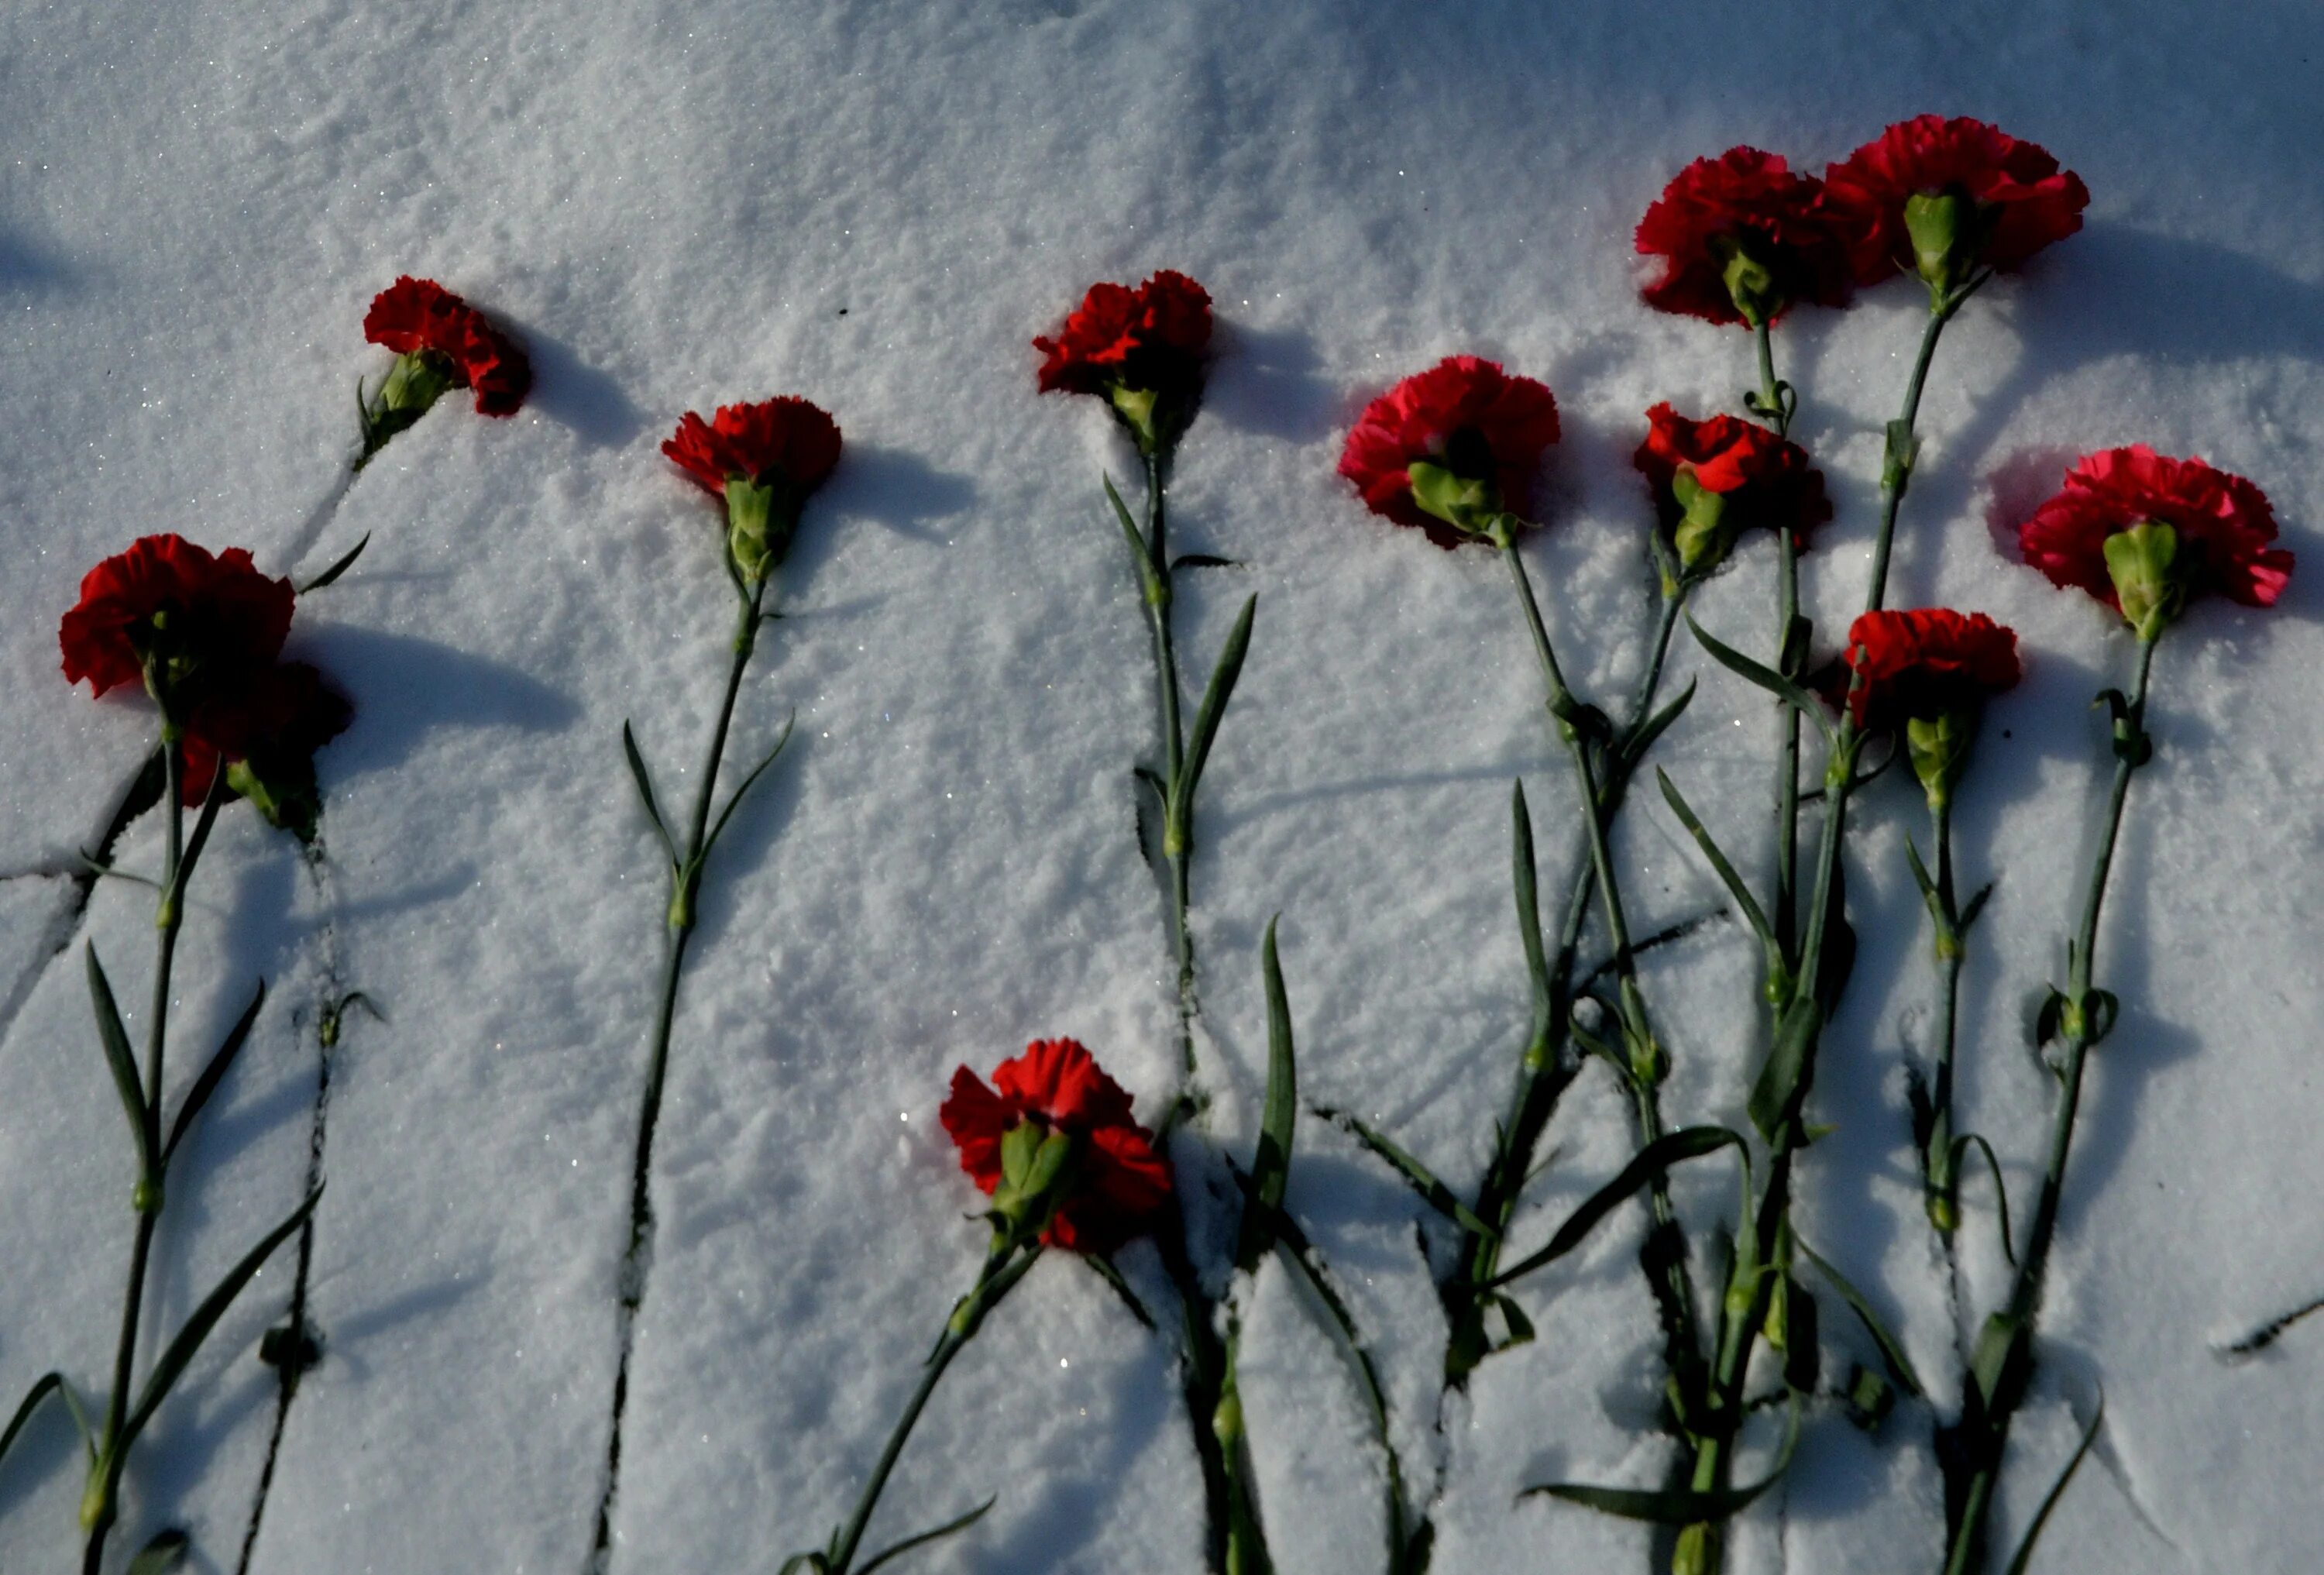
x,y
274,721
419,316
2223,523
1463,414
169,600
1925,664
1118,1179
1746,202
1150,337
1764,480
2020,200
787,441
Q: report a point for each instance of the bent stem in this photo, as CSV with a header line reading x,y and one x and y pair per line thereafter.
x,y
686,882
1543,1071
2004,1357
1011,1254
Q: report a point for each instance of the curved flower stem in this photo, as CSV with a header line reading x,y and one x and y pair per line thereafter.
x,y
686,882
1666,1270
100,1502
1897,466
1543,1074
1006,1262
1998,1381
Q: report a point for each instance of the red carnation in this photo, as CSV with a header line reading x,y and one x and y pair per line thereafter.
x,y
2008,199
1464,416
1118,1179
418,317
170,600
2221,525
1926,664
1753,479
272,723
1143,349
1741,229
785,441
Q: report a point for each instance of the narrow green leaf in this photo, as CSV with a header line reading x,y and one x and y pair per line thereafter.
x,y
164,1554
1678,1505
1151,583
1765,676
639,775
2018,1565
1213,707
757,771
181,1351
338,568
1650,1162
1520,1327
200,838
1892,1349
1527,880
1201,560
42,1387
1642,739
1974,907
1920,877
1423,1181
926,1537
214,1073
2000,1187
118,1056
1752,913
1105,1270
1270,1169
1776,1097
1153,780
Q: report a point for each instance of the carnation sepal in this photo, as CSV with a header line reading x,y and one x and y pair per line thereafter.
x,y
1767,679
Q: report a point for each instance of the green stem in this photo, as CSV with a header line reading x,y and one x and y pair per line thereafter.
x,y
1005,1263
100,1502
1944,1188
1897,470
1180,858
1782,911
1967,1551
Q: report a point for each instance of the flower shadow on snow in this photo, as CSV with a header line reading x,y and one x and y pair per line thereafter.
x,y
894,487
579,396
403,686
1268,380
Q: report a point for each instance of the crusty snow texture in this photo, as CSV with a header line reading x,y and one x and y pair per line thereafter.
x,y
878,206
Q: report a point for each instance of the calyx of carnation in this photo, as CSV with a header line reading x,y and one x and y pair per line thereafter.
x,y
2143,563
2188,530
1927,675
1453,449
1946,197
1142,348
763,460
1714,479
1034,1162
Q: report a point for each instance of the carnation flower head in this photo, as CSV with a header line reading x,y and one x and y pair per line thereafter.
x,y
1115,1180
1946,197
1142,348
1453,449
1713,480
1742,237
764,460
422,322
2146,533
1926,675
169,612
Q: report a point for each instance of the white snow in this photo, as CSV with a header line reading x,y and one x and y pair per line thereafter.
x,y
877,205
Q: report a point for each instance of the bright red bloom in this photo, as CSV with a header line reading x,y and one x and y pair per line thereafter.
x,y
418,315
2223,524
169,599
786,440
1118,1179
276,719
1464,414
1749,200
1150,337
1927,663
1766,478
2024,201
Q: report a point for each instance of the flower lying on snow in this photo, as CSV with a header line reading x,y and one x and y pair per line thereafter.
x,y
1714,479
764,460
1742,238
440,343
1141,349
1453,449
1946,197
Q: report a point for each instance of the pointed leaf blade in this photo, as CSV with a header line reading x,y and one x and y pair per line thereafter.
x,y
331,574
949,1528
1649,1162
1765,676
1423,1181
1642,739
1213,708
1270,1169
42,1387
639,775
757,771
215,1073
1753,914
165,1552
2025,1558
1892,1349
1678,1505
118,1057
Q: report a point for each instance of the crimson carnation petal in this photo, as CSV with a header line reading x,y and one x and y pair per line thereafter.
x,y
221,611
1152,336
1461,398
2223,524
2024,201
1743,195
1769,476
785,439
418,315
1926,662
1121,1179
279,716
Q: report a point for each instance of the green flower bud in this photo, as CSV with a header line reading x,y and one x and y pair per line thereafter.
x,y
1703,536
760,521
1467,503
1946,237
1939,746
1751,286
2143,563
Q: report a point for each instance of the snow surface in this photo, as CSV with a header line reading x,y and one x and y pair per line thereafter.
x,y
877,205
